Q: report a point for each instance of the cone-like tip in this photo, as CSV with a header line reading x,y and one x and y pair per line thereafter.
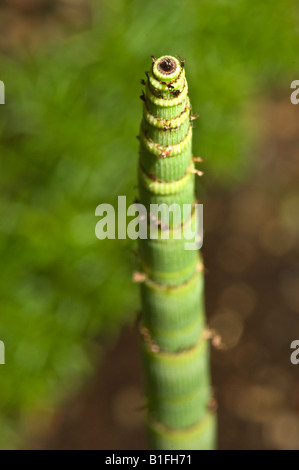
x,y
167,68
167,65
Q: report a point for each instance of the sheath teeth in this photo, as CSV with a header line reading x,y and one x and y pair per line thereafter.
x,y
139,277
196,172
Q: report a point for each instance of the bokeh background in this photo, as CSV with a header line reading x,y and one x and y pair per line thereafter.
x,y
72,71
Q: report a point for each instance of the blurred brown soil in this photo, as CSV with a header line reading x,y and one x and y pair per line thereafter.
x,y
252,297
27,24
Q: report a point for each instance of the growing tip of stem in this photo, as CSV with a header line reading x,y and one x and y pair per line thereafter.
x,y
166,68
167,65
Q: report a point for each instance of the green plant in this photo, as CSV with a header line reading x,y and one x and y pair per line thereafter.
x,y
66,143
174,346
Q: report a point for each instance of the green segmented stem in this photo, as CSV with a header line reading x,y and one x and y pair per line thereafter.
x,y
174,348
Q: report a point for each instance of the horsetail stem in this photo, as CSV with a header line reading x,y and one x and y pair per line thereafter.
x,y
174,348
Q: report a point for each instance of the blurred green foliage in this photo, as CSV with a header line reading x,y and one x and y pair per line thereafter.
x,y
68,144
